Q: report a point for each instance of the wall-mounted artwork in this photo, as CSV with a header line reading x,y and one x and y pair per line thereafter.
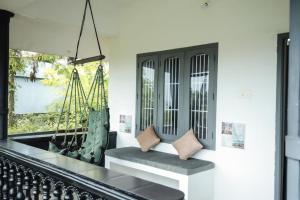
x,y
125,123
233,135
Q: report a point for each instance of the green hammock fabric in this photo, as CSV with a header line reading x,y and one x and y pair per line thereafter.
x,y
73,154
53,147
64,151
96,138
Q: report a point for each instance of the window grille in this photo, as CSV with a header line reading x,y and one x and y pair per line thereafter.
x,y
171,103
199,86
148,73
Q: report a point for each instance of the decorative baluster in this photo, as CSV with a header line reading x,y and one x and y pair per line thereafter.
x,y
36,187
1,177
5,181
85,196
20,194
46,188
58,190
27,185
69,193
11,182
20,183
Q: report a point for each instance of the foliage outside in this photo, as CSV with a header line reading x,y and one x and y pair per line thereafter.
x,y
57,76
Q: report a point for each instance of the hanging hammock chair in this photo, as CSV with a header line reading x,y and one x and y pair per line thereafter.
x,y
96,141
90,115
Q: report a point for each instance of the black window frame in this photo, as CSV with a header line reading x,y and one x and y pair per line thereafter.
x,y
184,107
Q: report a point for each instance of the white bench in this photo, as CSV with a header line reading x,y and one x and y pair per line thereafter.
x,y
193,177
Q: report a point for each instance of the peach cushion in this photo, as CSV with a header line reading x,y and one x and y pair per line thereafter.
x,y
148,139
187,145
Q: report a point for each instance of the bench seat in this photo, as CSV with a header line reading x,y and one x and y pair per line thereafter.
x,y
166,161
193,177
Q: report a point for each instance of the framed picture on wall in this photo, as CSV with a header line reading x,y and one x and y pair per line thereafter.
x,y
233,135
125,123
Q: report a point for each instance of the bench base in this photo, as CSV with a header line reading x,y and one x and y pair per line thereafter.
x,y
197,186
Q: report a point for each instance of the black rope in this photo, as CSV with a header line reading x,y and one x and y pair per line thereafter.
x,y
81,30
95,29
87,4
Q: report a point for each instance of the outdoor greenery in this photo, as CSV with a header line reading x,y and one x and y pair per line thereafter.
x,y
57,76
16,64
30,123
18,60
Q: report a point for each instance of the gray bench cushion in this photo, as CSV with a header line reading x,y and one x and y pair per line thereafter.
x,y
161,160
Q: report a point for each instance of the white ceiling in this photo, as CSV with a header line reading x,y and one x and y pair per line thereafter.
x,y
69,12
46,20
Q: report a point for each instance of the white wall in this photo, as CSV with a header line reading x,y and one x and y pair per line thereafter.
x,y
247,35
34,97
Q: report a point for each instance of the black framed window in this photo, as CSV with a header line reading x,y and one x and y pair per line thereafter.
x,y
176,91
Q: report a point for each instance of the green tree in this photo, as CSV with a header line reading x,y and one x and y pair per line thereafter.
x,y
16,64
18,61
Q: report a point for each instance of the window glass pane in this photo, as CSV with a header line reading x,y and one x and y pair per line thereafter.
x,y
148,73
199,75
171,87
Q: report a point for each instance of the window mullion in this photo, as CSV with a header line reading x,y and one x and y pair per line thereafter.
x,y
160,90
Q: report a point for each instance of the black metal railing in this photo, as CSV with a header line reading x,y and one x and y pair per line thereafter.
x,y
24,178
